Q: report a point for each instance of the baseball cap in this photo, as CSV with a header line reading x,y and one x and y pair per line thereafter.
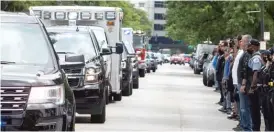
x,y
254,42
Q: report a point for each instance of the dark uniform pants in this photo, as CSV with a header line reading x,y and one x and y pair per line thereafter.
x,y
268,110
255,110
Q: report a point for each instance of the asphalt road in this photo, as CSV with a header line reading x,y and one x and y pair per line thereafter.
x,y
172,99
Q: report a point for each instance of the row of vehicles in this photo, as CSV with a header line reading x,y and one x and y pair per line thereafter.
x,y
62,60
202,61
180,59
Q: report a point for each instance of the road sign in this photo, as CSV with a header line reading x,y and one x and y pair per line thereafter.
x,y
262,45
266,36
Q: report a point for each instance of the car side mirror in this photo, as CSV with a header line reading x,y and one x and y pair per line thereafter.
x,y
106,51
73,61
119,48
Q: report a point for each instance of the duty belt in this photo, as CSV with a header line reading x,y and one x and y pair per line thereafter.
x,y
263,89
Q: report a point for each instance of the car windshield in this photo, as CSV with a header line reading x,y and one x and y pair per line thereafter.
x,y
76,43
137,41
24,44
101,37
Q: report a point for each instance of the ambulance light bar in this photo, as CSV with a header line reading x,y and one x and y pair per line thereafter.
x,y
72,15
85,15
60,15
47,15
37,13
99,16
110,15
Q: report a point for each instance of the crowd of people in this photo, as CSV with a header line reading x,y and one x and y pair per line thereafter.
x,y
244,78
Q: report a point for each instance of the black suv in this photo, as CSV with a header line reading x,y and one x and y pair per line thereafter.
x,y
89,83
127,69
35,94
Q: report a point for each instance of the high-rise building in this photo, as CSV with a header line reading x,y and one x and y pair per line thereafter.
x,y
156,10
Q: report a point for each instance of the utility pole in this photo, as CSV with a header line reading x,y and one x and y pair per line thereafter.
x,y
262,20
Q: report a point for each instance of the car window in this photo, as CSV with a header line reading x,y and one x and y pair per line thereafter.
x,y
77,43
101,38
129,47
24,44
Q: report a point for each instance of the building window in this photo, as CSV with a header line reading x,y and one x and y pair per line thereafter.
x,y
159,27
159,16
141,4
159,4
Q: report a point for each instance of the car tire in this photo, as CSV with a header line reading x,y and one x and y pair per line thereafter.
x,y
126,91
136,84
107,95
154,70
204,79
117,97
196,71
141,72
131,88
101,118
148,70
210,83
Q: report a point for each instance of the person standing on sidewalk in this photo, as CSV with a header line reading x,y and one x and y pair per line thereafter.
x,y
220,71
235,77
245,113
254,66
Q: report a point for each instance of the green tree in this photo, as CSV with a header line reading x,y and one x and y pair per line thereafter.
x,y
134,18
196,21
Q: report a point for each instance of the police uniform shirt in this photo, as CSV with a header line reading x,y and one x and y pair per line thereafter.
x,y
255,63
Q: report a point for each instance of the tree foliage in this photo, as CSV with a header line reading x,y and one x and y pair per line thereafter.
x,y
134,18
195,21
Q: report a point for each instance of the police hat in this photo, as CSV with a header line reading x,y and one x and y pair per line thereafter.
x,y
266,52
254,42
271,50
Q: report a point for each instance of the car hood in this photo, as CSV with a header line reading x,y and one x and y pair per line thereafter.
x,y
28,75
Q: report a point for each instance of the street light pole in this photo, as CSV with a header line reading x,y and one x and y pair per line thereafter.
x,y
262,20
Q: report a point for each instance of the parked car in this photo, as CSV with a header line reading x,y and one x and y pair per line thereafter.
x,y
201,54
35,94
175,59
89,83
187,58
208,72
182,59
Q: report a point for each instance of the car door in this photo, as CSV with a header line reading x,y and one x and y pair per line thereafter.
x,y
99,61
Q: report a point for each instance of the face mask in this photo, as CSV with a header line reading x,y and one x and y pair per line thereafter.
x,y
249,51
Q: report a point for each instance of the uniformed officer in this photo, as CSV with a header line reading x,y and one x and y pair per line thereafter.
x,y
263,88
254,66
270,95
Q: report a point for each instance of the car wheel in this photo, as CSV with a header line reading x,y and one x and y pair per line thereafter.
x,y
117,97
126,90
141,72
210,83
101,118
148,70
196,71
107,95
154,70
131,88
204,79
136,84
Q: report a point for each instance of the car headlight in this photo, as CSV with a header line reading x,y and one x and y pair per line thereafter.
x,y
123,65
47,94
92,75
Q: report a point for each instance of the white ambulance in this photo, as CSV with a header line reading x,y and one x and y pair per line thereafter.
x,y
109,18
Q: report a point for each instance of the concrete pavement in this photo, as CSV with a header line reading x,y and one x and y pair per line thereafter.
x,y
172,99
